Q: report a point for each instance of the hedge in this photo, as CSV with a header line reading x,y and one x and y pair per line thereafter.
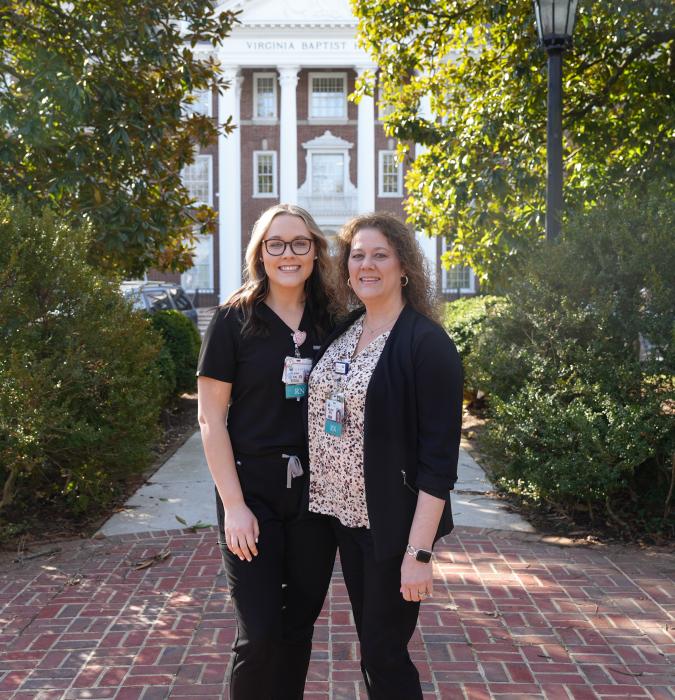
x,y
80,391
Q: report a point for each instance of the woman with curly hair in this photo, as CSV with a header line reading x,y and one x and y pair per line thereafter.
x,y
384,419
253,368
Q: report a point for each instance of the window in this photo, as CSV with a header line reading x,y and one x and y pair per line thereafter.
x,y
197,179
328,174
264,96
201,104
458,277
200,275
264,174
328,96
390,175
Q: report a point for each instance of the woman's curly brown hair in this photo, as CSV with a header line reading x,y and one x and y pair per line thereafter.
x,y
419,292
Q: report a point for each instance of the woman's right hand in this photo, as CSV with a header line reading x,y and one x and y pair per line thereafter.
x,y
241,531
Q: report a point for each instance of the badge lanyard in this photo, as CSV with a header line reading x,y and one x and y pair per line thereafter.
x,y
335,403
296,369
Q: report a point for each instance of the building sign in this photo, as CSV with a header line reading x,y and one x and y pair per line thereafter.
x,y
315,46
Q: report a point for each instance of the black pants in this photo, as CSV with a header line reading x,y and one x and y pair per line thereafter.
x,y
385,622
277,596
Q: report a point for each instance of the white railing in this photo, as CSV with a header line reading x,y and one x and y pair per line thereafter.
x,y
342,206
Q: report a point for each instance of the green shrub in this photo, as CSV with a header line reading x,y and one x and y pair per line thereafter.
x,y
79,388
580,364
166,368
182,340
464,320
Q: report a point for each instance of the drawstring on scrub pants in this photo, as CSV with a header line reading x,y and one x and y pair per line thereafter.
x,y
293,469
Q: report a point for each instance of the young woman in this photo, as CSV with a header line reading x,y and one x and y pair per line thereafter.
x,y
253,370
385,411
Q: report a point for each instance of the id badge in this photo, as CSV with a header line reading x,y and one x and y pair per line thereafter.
x,y
295,376
341,367
335,414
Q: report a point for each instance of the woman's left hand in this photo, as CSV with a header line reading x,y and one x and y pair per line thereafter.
x,y
417,580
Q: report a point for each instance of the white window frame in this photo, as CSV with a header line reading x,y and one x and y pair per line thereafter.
x,y
209,239
311,77
209,157
380,176
445,274
345,170
256,118
275,176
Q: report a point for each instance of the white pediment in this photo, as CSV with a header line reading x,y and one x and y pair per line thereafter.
x,y
292,12
327,142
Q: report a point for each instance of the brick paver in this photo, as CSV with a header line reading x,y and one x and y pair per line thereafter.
x,y
513,618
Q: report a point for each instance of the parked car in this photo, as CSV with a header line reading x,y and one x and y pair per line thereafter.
x,y
158,296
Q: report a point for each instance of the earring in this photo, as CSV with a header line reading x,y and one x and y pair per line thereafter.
x,y
404,277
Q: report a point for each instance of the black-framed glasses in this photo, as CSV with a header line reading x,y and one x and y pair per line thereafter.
x,y
299,246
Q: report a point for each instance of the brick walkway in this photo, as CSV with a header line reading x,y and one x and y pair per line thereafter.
x,y
513,617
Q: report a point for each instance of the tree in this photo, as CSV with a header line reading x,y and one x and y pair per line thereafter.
x,y
481,181
95,119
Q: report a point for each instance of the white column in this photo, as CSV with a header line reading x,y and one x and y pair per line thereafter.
x,y
365,156
288,135
229,186
427,243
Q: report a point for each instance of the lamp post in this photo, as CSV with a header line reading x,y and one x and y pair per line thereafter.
x,y
555,24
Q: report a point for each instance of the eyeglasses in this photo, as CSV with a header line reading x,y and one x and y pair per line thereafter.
x,y
299,246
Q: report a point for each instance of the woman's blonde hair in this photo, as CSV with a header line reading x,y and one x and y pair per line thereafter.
x,y
418,291
319,295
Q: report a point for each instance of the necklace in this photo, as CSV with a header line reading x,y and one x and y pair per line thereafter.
x,y
392,319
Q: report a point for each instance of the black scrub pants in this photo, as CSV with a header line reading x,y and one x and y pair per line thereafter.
x,y
385,622
277,596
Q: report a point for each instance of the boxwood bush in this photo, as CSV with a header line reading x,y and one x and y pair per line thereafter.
x,y
580,365
182,342
80,390
464,320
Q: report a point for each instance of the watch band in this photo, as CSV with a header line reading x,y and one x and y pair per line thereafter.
x,y
423,555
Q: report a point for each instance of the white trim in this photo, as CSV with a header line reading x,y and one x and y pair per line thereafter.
x,y
209,158
326,119
208,238
264,120
275,189
380,175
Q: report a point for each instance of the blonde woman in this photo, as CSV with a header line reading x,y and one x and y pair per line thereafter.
x,y
253,370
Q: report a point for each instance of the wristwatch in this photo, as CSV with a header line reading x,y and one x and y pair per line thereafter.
x,y
423,555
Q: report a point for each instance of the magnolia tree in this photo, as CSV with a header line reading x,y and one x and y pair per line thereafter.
x,y
481,179
95,118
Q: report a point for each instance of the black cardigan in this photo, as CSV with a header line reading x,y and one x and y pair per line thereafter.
x,y
412,426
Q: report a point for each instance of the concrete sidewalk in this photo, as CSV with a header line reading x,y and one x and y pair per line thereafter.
x,y
182,488
146,615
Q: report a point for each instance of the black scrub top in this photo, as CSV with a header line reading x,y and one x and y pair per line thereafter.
x,y
261,421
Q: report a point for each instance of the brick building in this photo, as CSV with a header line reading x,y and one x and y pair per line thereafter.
x,y
298,139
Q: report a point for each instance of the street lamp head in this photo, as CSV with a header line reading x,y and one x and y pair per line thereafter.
x,y
555,22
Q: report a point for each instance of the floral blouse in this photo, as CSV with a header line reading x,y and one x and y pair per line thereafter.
x,y
336,463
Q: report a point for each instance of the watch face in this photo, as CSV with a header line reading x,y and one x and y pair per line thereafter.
x,y
423,556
